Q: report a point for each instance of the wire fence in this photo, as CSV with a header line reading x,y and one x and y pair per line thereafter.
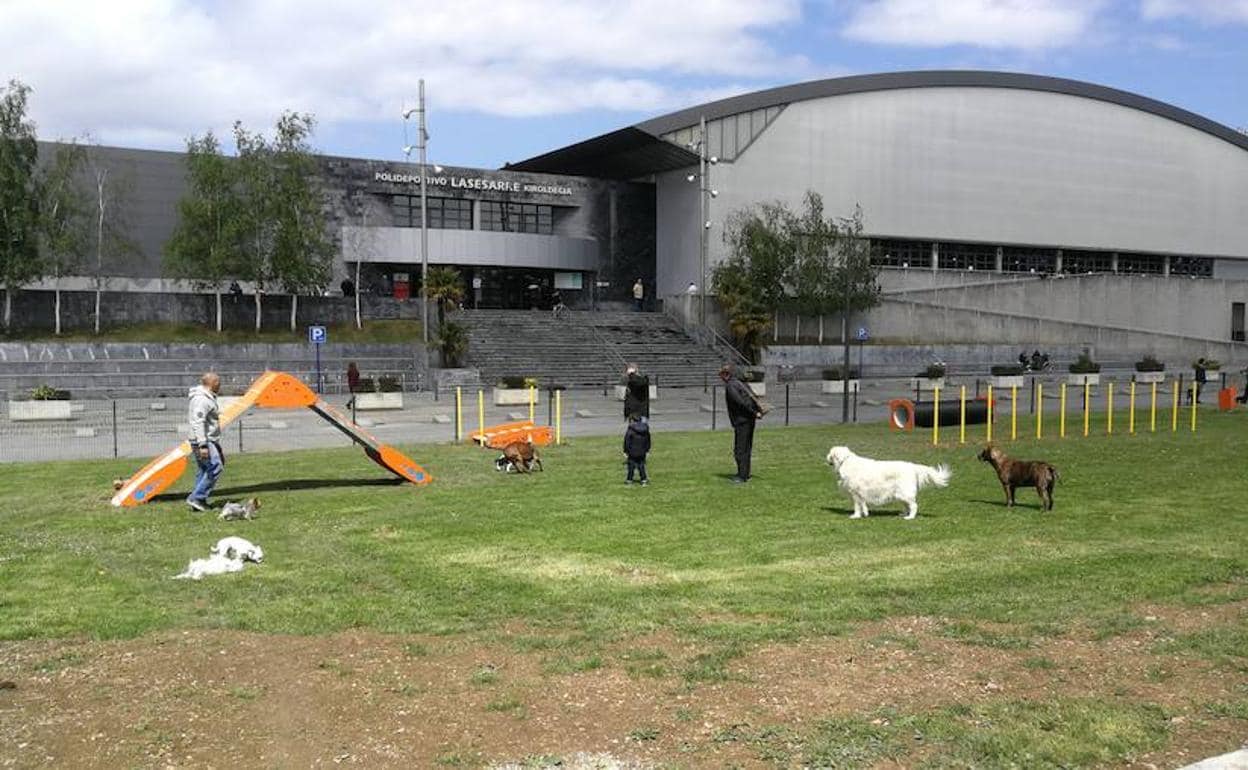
x,y
143,427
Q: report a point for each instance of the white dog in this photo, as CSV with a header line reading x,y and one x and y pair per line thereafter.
x,y
238,548
213,565
876,482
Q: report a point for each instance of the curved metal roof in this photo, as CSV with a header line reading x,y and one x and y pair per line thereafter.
x,y
557,161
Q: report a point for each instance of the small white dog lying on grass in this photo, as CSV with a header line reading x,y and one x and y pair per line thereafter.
x,y
877,482
228,555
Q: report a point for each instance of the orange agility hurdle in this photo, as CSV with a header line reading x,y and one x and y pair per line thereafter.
x,y
499,436
272,390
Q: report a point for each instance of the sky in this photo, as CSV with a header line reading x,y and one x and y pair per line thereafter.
x,y
509,79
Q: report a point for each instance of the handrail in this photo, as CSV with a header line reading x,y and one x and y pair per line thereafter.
x,y
608,346
700,332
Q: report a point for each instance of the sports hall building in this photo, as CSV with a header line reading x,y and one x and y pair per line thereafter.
x,y
959,174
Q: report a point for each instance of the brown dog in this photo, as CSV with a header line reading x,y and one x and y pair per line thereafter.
x,y
1021,473
521,456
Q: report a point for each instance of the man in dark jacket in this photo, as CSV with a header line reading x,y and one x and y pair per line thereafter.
x,y
636,394
743,410
636,447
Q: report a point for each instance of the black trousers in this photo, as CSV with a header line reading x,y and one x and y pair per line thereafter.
x,y
742,446
638,465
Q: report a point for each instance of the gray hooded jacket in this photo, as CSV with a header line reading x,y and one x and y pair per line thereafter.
x,y
203,416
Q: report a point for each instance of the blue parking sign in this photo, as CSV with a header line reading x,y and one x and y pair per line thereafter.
x,y
318,335
862,334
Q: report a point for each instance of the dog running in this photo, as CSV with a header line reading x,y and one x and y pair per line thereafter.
x,y
244,510
1021,473
877,482
519,457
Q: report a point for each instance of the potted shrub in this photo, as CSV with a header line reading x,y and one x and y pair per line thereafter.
x,y
835,381
1149,369
384,393
756,379
1085,371
1008,376
42,403
513,390
931,378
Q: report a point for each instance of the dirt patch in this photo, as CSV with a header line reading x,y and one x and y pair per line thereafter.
x,y
197,698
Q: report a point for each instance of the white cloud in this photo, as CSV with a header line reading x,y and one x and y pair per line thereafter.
x,y
156,71
1211,11
1019,24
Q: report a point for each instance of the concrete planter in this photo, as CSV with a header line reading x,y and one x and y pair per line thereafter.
x,y
838,386
515,396
1084,379
622,390
1149,377
758,388
923,383
1009,381
40,410
374,401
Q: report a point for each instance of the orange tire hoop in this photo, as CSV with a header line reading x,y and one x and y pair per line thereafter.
x,y
901,414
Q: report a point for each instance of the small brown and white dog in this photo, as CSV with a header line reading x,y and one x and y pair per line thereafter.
x,y
244,510
520,457
1021,473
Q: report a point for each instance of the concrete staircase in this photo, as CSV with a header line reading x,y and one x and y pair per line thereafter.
x,y
583,348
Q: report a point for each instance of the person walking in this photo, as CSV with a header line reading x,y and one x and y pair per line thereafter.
x,y
743,411
204,418
636,394
639,295
353,382
636,447
1201,366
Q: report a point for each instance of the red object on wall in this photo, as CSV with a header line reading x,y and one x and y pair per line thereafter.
x,y
402,289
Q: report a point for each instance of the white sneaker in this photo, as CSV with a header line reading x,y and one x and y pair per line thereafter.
x,y
196,505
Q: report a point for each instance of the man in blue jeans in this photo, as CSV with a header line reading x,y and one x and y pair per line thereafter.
x,y
204,418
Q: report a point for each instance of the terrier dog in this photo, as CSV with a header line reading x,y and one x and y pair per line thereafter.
x,y
244,510
1021,473
520,457
238,548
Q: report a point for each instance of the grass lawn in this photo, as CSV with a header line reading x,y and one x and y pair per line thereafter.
x,y
587,565
387,331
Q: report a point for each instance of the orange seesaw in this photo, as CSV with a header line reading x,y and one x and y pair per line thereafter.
x,y
272,390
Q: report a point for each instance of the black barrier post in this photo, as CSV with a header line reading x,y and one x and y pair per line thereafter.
x,y
114,429
976,387
435,388
1180,387
1033,395
240,435
856,387
703,382
786,404
713,389
353,410
550,407
604,388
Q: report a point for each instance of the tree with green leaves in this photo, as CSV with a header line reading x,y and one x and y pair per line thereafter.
x,y
203,248
19,198
444,288
64,222
302,251
110,193
254,227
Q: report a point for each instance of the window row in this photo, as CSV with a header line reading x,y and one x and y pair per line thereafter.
x,y
441,213
517,217
1030,259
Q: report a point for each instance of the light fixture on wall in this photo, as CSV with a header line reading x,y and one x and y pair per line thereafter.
x,y
705,194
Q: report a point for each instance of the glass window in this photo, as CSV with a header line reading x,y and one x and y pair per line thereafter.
x,y
441,213
1028,259
1141,264
1082,262
896,253
517,217
968,256
1198,267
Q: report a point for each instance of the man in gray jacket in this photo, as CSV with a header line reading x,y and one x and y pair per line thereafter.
x,y
204,418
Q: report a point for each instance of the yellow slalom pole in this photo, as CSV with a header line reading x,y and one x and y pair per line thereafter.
x,y
962,417
532,401
1131,413
935,416
1061,419
990,413
1109,425
459,413
558,417
1193,407
1152,411
1013,412
481,415
1087,404
1039,410
1174,408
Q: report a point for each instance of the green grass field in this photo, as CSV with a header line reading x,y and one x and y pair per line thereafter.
x,y
586,562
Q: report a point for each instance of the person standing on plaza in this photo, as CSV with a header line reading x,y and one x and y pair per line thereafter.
x,y
204,418
353,382
636,394
743,411
639,295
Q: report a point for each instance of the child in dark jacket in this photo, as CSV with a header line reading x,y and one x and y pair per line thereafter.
x,y
636,447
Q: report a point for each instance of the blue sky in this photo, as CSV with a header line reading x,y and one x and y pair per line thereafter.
x,y
508,79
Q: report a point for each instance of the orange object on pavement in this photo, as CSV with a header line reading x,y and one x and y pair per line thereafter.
x,y
499,436
272,390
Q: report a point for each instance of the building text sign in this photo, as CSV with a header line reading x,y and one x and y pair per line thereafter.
x,y
472,183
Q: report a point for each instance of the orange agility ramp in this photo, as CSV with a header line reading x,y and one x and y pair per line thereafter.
x,y
499,436
272,390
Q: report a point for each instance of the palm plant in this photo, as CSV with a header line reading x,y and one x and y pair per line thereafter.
x,y
445,287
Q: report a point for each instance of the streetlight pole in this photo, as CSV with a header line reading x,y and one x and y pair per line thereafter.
x,y
422,142
705,193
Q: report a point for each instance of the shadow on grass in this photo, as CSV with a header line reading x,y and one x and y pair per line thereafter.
x,y
1001,504
289,485
877,512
